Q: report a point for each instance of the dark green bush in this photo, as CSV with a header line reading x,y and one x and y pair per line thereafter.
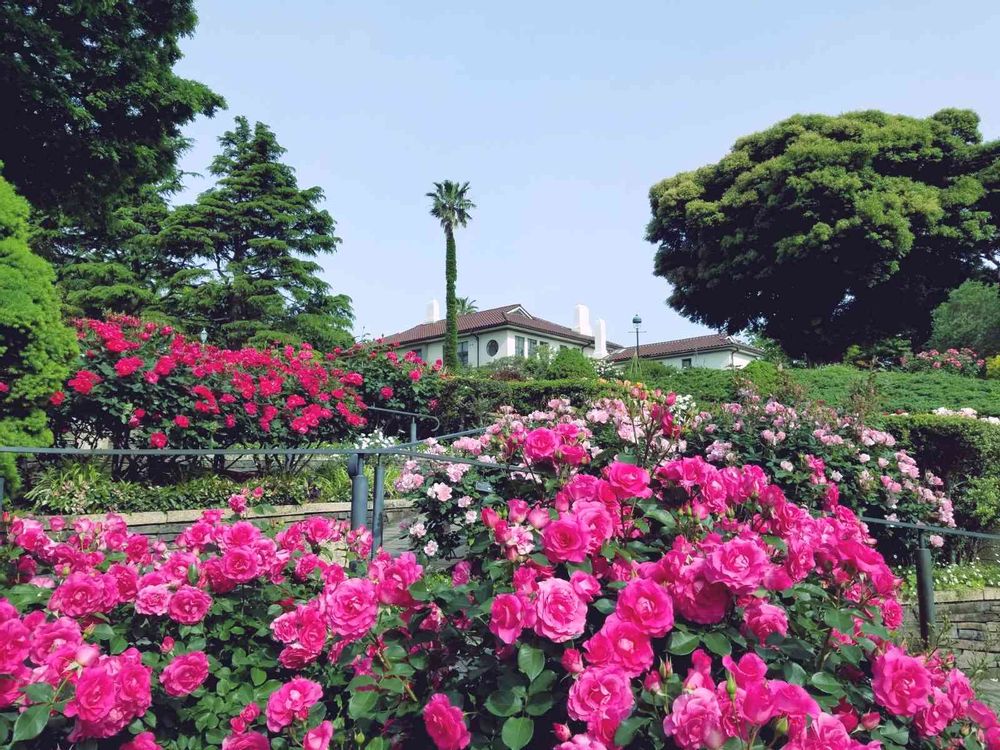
x,y
571,363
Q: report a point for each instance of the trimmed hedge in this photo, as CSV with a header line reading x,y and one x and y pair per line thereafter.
x,y
964,452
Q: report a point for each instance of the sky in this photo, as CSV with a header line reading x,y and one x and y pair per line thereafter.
x,y
561,116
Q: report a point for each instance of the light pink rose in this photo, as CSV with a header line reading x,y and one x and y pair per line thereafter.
x,y
560,614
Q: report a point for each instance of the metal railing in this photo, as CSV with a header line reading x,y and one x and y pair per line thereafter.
x,y
926,610
414,418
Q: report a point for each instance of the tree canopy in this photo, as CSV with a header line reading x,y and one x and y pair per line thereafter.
x,y
248,246
970,317
92,107
825,231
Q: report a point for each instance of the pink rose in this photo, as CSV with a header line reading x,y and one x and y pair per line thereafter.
x,y
739,564
78,595
695,721
900,682
246,741
319,737
933,719
395,579
351,607
240,564
445,724
540,444
508,617
185,673
566,540
461,574
142,741
763,619
586,586
560,614
698,600
600,693
189,605
647,605
825,732
153,600
291,701
628,480
622,644
95,694
581,742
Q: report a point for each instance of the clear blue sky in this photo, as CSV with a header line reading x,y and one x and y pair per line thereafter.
x,y
561,115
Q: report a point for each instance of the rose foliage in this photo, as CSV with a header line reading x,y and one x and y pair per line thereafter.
x,y
628,595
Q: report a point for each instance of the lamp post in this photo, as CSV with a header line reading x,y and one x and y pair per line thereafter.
x,y
203,335
634,370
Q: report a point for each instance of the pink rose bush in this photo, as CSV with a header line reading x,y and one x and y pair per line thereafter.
x,y
962,361
677,604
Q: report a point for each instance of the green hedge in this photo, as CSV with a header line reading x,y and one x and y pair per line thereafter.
x,y
964,452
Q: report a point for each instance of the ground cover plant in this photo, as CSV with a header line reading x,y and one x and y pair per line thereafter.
x,y
618,590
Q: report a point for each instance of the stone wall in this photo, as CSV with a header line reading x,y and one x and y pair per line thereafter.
x,y
968,623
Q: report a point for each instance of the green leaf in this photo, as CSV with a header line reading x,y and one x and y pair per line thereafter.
x,y
827,683
517,732
682,643
794,673
103,632
717,643
539,704
39,692
258,677
530,660
839,619
361,704
604,606
627,730
503,703
31,723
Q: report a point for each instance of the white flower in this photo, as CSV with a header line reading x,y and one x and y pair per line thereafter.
x,y
471,516
418,530
431,548
787,465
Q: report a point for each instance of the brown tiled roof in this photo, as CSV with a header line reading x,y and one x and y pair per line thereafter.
x,y
711,342
508,315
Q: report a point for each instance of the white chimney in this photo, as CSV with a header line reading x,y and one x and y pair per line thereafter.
x,y
433,311
581,321
601,340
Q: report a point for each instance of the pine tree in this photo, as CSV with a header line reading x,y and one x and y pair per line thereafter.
x,y
249,245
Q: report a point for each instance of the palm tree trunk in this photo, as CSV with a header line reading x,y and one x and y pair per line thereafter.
x,y
451,302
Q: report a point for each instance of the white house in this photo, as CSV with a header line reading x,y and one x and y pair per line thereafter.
x,y
505,331
713,351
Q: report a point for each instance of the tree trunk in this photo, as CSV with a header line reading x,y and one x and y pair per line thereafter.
x,y
451,302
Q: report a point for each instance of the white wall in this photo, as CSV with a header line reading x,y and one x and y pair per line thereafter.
x,y
715,360
506,339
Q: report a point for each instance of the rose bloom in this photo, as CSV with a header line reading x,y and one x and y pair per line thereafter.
x,y
697,599
95,694
763,619
246,741
901,683
189,605
240,564
290,702
351,607
600,693
153,600
508,617
185,673
158,440
560,614
319,737
78,595
540,444
566,540
936,717
621,644
695,721
445,724
142,741
647,605
739,564
628,480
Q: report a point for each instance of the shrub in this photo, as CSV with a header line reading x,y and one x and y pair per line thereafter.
x,y
959,361
958,449
35,347
993,368
970,317
571,363
656,604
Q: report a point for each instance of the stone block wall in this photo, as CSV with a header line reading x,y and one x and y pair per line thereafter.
x,y
968,623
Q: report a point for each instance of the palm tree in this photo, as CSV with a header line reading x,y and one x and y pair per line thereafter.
x,y
466,306
452,208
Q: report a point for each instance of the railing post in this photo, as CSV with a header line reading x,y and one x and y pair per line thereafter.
x,y
413,429
2,481
378,504
925,591
359,490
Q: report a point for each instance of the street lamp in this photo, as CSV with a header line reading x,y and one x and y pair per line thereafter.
x,y
636,322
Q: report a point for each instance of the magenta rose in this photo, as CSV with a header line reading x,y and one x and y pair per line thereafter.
x,y
291,701
508,617
566,540
695,721
318,738
246,741
901,683
153,600
240,564
600,693
142,741
351,607
628,480
560,614
647,605
698,600
95,694
185,673
622,644
739,565
189,605
763,619
540,444
445,724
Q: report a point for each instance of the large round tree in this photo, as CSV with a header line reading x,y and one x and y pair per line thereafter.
x,y
825,231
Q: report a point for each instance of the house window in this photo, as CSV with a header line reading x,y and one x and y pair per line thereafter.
x,y
519,346
492,347
686,363
419,351
532,347
463,353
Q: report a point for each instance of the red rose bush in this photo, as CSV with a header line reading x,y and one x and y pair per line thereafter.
x,y
616,590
